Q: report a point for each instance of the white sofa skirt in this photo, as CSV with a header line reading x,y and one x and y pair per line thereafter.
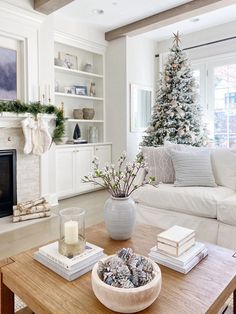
x,y
207,229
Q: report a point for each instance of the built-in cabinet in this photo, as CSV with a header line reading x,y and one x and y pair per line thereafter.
x,y
76,69
73,162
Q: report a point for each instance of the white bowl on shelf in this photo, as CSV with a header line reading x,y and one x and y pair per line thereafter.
x,y
124,300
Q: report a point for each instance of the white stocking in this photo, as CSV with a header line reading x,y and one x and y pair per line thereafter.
x,y
37,139
46,136
26,127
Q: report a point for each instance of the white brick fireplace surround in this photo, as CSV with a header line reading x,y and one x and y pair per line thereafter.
x,y
17,237
28,166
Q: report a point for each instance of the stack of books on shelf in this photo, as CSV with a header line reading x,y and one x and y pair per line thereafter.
x,y
69,268
177,249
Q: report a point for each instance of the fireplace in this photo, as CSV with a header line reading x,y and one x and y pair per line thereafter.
x,y
8,193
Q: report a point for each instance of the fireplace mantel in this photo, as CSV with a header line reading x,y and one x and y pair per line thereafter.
x,y
13,120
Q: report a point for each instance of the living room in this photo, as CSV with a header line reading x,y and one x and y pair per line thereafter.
x,y
118,136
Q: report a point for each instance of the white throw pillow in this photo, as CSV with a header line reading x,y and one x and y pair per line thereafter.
x,y
159,164
193,168
224,167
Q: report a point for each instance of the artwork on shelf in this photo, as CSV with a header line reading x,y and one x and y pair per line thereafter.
x,y
141,99
81,90
69,89
69,61
8,72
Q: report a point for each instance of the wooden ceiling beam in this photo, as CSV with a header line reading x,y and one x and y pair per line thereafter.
x,y
176,14
49,6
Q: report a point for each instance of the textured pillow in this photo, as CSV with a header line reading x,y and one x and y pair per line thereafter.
x,y
159,164
224,167
192,168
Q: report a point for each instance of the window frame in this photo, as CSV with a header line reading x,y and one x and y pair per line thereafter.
x,y
206,67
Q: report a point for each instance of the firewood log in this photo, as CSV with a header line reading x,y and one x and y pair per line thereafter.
x,y
32,210
29,204
32,216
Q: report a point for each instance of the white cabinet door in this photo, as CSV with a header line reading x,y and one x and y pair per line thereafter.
x,y
103,152
83,166
65,184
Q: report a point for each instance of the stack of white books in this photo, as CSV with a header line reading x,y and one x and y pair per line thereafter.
x,y
69,268
177,249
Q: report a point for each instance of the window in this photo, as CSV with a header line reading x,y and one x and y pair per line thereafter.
x,y
225,105
217,92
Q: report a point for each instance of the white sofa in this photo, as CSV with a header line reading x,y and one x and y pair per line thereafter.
x,y
211,211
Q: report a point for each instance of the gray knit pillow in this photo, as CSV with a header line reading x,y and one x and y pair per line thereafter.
x,y
192,168
159,164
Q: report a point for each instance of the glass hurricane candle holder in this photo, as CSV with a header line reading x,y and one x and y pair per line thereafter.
x,y
72,232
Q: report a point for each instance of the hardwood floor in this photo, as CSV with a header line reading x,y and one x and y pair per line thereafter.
x,y
93,203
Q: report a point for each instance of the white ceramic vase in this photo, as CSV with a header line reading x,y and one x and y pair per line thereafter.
x,y
119,216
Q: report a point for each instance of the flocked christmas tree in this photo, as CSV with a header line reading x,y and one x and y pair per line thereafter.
x,y
177,114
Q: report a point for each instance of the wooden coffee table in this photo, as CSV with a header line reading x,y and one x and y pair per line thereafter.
x,y
203,290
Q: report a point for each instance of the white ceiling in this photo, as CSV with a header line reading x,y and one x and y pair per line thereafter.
x,y
211,19
121,12
115,15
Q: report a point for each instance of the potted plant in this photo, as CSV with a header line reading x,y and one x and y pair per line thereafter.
x,y
120,182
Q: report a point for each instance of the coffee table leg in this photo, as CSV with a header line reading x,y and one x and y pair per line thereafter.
x,y
234,301
6,299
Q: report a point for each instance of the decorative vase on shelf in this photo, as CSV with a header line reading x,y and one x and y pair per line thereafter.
x,y
88,113
78,114
88,67
119,216
93,134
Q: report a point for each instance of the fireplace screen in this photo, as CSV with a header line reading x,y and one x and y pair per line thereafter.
x,y
7,181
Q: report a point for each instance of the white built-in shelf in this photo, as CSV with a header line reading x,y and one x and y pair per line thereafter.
x,y
78,96
84,120
76,72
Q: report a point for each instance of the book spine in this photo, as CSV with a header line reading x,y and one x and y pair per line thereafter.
x,y
53,259
185,269
78,260
61,273
196,261
174,260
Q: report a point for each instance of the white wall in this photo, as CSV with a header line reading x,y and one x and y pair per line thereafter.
x,y
141,69
116,96
128,60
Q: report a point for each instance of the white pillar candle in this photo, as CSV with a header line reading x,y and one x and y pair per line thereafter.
x,y
71,230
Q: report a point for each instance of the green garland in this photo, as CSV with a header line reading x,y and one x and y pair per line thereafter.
x,y
34,108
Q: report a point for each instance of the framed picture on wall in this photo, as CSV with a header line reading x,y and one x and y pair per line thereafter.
x,y
141,102
69,61
8,74
81,90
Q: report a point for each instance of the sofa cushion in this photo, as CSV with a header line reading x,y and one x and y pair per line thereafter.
x,y
226,210
159,164
192,168
224,167
198,201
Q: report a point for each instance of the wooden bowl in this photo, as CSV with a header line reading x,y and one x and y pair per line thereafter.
x,y
124,300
